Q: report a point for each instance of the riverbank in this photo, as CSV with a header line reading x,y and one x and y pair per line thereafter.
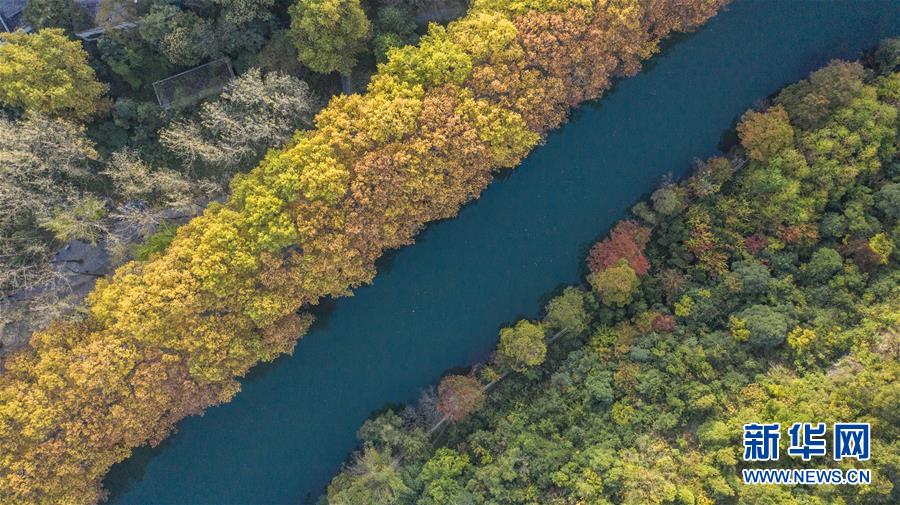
x,y
751,292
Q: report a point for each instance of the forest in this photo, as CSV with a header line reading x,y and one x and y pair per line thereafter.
x,y
762,288
293,201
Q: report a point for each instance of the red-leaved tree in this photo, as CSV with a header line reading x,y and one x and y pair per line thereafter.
x,y
664,323
755,243
626,241
459,396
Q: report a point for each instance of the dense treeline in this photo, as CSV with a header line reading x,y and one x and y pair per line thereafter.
x,y
764,288
90,162
167,337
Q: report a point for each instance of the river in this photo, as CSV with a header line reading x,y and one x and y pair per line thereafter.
x,y
439,303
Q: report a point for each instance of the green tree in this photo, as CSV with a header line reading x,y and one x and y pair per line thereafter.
x,y
390,431
392,19
46,72
182,36
393,27
567,312
81,221
888,200
156,243
132,58
522,346
373,478
754,276
668,200
51,14
810,102
767,327
329,33
823,264
440,478
384,42
887,57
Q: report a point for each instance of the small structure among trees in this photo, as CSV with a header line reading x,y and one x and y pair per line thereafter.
x,y
11,14
78,17
194,84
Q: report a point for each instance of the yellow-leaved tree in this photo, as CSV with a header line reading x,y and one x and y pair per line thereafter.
x,y
47,73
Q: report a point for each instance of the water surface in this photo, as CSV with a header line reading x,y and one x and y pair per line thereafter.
x,y
439,303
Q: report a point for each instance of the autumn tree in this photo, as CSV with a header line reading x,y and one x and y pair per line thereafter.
x,y
42,163
329,33
135,180
649,408
113,12
238,12
664,323
626,241
45,72
765,134
522,346
253,113
459,396
616,284
147,195
864,256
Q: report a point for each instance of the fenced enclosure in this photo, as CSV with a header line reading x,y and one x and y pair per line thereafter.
x,y
191,85
11,14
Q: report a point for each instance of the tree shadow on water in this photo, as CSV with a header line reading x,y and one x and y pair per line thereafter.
x,y
123,474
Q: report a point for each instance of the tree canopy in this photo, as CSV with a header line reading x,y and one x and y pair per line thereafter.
x,y
329,34
522,346
46,73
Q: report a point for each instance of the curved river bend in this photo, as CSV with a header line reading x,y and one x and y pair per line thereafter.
x,y
439,303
